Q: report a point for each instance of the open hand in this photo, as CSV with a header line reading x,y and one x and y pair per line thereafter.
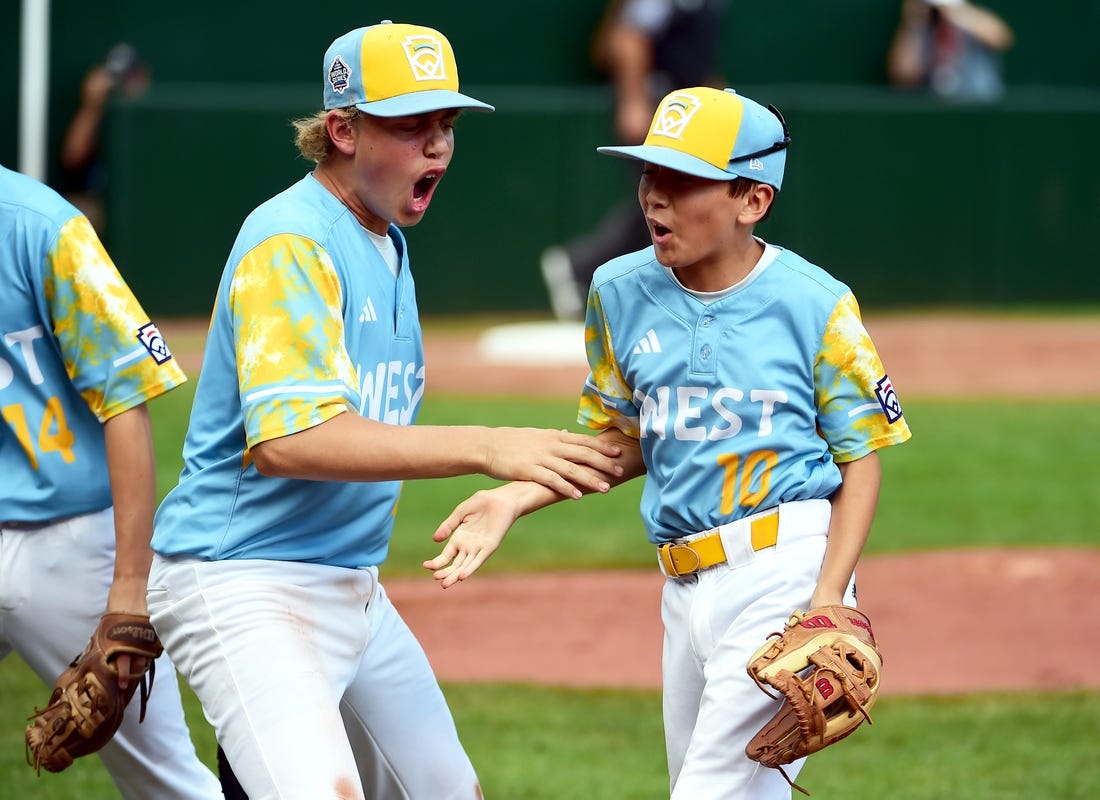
x,y
472,532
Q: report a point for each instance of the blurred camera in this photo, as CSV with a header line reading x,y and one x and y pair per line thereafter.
x,y
121,61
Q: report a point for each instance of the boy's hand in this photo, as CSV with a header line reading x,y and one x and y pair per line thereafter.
x,y
569,464
473,532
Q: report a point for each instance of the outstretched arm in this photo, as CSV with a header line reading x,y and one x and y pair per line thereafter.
x,y
477,526
349,447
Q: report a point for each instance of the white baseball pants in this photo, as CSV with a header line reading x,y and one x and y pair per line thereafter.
x,y
714,621
54,580
315,686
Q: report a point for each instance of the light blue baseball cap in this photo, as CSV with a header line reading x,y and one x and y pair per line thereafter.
x,y
715,134
394,70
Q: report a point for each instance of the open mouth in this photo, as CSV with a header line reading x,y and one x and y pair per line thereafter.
x,y
423,188
660,232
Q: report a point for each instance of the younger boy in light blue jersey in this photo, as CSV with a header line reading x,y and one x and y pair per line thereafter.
x,y
740,380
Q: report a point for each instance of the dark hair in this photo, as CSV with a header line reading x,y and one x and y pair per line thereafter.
x,y
739,187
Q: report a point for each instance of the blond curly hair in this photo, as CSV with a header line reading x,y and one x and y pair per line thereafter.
x,y
311,134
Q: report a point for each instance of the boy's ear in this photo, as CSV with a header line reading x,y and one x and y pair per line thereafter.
x,y
341,132
757,203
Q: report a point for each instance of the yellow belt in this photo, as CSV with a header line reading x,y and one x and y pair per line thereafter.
x,y
680,559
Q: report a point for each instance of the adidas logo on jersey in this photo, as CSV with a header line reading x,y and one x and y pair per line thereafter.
x,y
369,314
648,343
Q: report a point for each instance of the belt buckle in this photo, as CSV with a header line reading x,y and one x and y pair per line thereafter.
x,y
665,552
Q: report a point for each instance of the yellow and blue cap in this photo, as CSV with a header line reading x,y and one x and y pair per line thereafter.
x,y
715,134
394,70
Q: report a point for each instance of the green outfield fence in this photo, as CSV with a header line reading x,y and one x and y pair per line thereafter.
x,y
908,200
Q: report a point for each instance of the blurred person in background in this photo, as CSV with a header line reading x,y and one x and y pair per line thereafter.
x,y
645,48
951,48
122,73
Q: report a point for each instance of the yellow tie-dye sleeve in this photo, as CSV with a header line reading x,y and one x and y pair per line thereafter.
x,y
100,326
606,400
857,406
293,369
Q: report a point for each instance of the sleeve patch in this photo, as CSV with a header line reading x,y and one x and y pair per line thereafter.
x,y
888,399
150,338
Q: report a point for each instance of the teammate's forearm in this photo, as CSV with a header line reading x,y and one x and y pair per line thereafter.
x,y
131,465
853,511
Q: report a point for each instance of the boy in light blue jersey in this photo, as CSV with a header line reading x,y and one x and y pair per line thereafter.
x,y
265,584
740,380
79,360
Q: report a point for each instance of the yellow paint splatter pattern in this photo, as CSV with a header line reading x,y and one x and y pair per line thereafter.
x,y
606,395
291,359
96,319
849,365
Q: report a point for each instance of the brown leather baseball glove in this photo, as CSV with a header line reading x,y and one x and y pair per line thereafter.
x,y
85,708
826,665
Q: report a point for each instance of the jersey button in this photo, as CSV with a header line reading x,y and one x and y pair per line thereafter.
x,y
705,352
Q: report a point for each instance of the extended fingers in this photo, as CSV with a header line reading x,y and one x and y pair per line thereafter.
x,y
555,481
445,557
453,565
465,565
601,444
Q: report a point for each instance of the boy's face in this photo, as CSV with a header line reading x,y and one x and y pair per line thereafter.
x,y
399,161
691,220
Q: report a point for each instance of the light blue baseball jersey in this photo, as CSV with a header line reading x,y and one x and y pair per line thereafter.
x,y
738,404
76,349
309,322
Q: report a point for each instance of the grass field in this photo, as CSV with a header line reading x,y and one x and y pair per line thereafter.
x,y
975,474
539,743
988,473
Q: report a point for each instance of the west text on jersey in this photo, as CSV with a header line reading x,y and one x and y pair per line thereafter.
x,y
684,406
391,392
21,344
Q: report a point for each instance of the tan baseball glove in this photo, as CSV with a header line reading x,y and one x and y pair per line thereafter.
x,y
826,665
85,708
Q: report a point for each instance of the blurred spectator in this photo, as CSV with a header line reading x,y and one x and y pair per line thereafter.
x,y
646,48
122,73
951,48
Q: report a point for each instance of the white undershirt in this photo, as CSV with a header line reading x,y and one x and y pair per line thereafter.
x,y
386,249
767,257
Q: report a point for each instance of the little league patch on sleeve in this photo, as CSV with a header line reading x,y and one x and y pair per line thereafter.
x,y
151,339
888,399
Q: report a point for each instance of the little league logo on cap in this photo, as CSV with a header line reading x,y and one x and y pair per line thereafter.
x,y
714,134
425,54
394,70
674,114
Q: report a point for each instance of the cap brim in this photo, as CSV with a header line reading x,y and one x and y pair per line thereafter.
x,y
421,103
673,159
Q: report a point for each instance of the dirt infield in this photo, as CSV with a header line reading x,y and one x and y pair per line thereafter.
x,y
603,629
930,355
